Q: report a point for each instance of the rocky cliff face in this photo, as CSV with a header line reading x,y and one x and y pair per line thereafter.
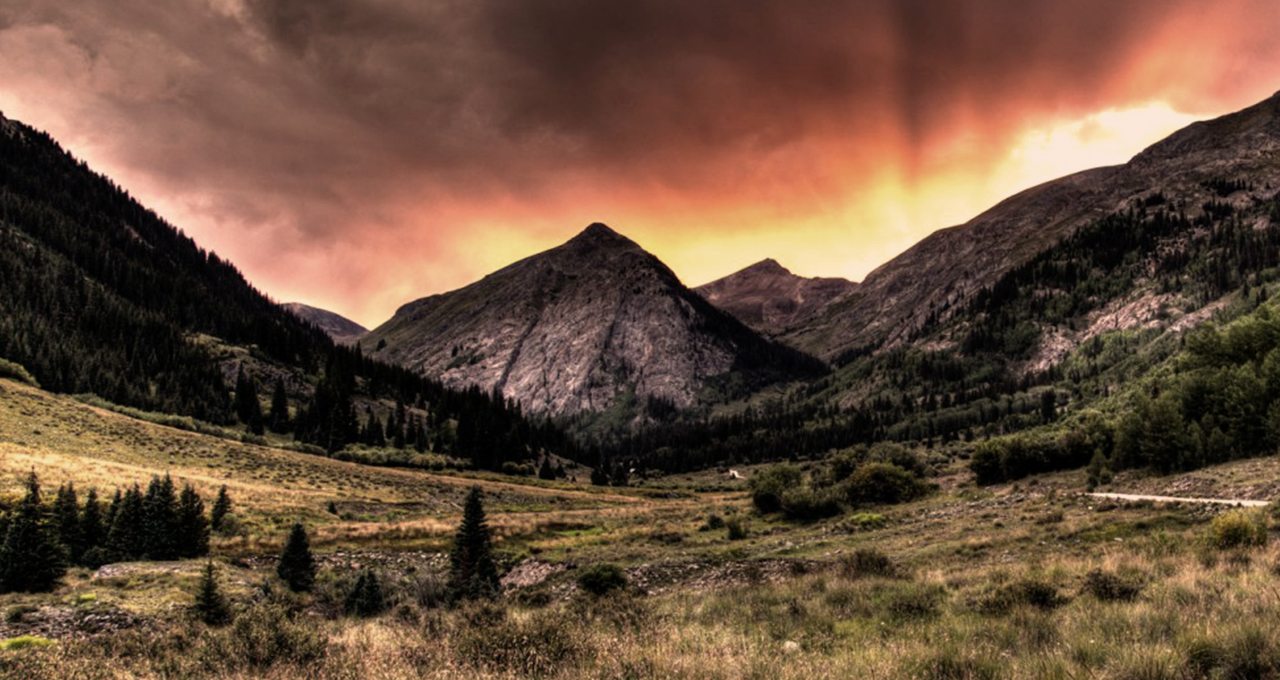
x,y
578,327
343,330
938,274
770,299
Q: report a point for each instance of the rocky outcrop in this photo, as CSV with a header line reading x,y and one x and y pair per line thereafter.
x,y
578,327
770,299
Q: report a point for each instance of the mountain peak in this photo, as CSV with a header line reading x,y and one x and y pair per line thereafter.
x,y
767,266
599,232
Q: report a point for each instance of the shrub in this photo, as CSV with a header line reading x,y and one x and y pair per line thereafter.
x,y
1237,529
15,371
602,579
770,484
805,503
735,530
713,522
882,483
1112,587
1030,592
543,645
867,562
906,601
265,635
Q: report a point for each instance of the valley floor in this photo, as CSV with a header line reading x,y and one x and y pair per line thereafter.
x,y
1028,580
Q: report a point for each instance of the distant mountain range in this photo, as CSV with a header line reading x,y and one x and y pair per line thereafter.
x,y
341,329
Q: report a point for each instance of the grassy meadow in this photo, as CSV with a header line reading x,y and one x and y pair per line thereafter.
x,y
1024,580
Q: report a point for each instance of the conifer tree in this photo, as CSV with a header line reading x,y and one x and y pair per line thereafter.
x,y
248,409
546,471
66,513
472,572
125,540
92,530
366,598
210,605
160,520
279,408
30,558
192,527
297,568
221,508
112,508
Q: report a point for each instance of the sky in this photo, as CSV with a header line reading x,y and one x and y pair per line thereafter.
x,y
359,154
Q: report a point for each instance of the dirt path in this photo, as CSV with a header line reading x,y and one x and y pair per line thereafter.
x,y
1174,499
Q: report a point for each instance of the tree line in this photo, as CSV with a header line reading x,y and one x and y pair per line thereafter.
x,y
39,540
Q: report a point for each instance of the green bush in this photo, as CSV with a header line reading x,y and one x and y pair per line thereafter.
x,y
735,530
1238,529
602,579
807,503
770,484
882,483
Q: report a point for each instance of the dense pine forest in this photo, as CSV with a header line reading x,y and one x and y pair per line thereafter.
x,y
102,296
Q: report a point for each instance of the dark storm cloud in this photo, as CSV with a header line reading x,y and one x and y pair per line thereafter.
x,y
325,126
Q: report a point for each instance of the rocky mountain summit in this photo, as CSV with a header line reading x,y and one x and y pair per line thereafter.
x,y
580,327
343,330
769,298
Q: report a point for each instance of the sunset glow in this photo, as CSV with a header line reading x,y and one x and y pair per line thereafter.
x,y
356,156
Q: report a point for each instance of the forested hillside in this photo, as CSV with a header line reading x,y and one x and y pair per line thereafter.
x,y
100,295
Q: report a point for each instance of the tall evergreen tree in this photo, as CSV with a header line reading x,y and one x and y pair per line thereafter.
x,y
192,527
472,572
66,512
297,567
221,508
248,409
210,605
125,540
280,422
30,558
160,520
92,529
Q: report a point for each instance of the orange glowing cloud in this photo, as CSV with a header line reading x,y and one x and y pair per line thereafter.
x,y
359,154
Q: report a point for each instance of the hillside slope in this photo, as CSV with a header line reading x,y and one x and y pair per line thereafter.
x,y
100,295
577,328
939,274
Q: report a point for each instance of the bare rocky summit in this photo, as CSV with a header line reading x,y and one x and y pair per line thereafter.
x,y
344,331
769,298
579,327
